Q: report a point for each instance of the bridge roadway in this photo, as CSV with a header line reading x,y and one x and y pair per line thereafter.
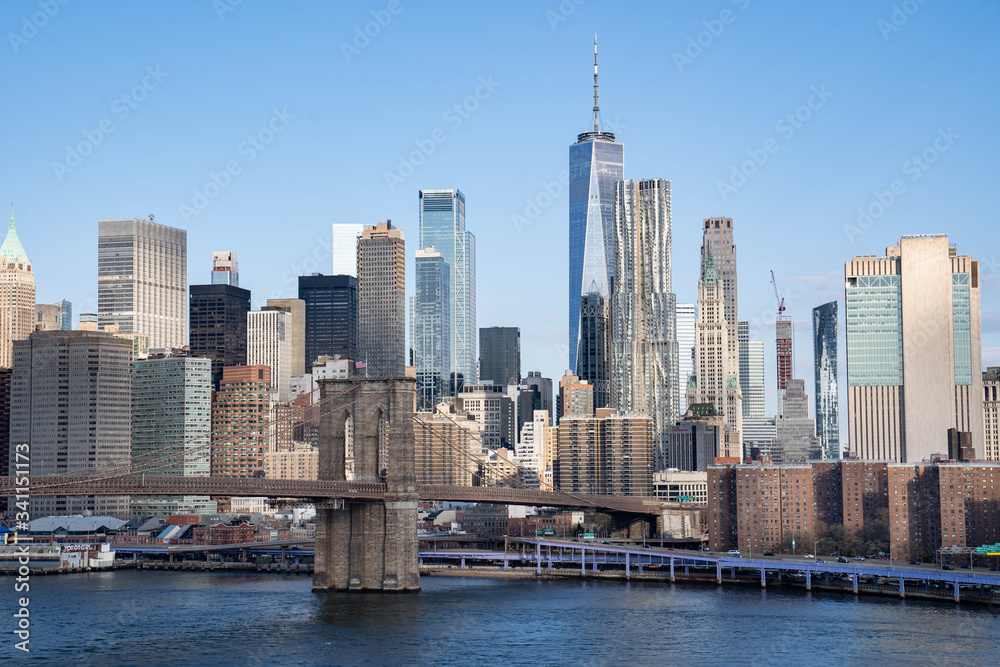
x,y
316,491
546,553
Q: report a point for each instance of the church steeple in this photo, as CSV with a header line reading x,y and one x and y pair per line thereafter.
x,y
12,248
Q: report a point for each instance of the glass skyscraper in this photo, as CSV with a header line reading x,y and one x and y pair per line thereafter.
x,y
825,369
442,225
344,249
596,164
751,358
431,326
686,314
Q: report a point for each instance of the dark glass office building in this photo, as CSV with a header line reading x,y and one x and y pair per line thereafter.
x,y
593,358
331,316
500,355
218,326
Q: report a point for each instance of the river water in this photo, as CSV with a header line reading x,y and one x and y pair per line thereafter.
x,y
156,618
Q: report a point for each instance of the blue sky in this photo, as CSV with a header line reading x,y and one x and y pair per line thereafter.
x,y
693,90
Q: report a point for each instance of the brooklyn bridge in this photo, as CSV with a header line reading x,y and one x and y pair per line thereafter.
x,y
366,528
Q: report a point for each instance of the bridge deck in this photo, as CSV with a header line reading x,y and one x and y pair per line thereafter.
x,y
321,490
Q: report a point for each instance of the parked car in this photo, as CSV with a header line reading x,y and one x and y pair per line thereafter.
x,y
841,559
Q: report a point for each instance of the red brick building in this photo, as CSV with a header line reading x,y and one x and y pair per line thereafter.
x,y
221,533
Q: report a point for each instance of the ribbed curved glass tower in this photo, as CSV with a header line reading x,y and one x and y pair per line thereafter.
x,y
596,164
644,335
825,367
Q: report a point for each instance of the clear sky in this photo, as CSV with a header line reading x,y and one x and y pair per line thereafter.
x,y
161,95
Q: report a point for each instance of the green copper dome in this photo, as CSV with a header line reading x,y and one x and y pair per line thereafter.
x,y
709,275
12,248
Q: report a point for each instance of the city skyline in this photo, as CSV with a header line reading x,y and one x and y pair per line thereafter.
x,y
768,209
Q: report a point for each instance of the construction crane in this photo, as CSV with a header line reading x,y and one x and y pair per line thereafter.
x,y
777,296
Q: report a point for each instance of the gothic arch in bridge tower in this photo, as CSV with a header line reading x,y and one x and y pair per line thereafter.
x,y
368,544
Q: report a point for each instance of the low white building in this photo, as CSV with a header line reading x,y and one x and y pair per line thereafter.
x,y
679,486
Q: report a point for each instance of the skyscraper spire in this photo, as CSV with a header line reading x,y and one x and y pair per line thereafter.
x,y
12,248
597,109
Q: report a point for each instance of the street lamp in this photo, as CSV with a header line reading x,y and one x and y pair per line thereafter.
x,y
815,542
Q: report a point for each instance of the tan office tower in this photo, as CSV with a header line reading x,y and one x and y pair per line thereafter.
x,y
296,308
716,362
717,241
269,344
17,295
382,301
142,280
914,355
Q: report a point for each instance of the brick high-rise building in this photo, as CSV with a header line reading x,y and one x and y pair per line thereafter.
x,y
576,396
606,453
17,294
382,300
240,414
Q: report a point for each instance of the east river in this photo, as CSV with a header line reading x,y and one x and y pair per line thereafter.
x,y
178,618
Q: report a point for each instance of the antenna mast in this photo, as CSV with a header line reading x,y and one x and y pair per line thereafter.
x,y
597,109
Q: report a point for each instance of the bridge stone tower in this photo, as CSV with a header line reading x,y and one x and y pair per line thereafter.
x,y
368,545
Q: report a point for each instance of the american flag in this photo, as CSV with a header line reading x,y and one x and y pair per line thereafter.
x,y
360,364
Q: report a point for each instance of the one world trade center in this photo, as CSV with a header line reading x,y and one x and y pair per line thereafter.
x,y
596,163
